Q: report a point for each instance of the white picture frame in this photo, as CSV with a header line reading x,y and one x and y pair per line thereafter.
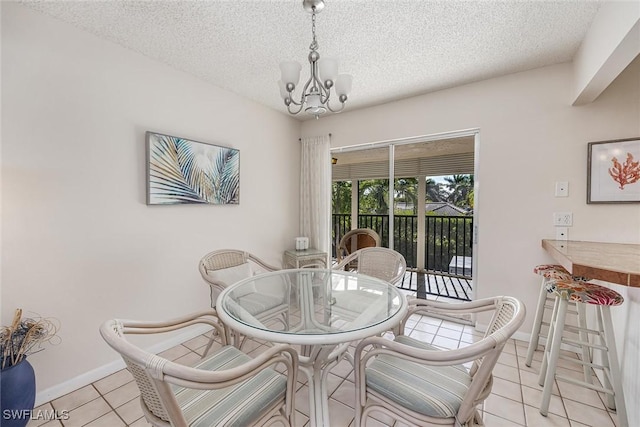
x,y
613,171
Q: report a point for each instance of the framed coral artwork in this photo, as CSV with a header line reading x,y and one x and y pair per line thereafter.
x,y
181,171
613,171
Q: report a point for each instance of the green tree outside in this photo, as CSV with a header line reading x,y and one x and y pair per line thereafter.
x,y
374,194
341,197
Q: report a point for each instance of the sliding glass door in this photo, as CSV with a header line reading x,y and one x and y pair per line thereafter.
x,y
418,196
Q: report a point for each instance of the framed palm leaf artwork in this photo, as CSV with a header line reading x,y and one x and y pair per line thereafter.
x,y
181,171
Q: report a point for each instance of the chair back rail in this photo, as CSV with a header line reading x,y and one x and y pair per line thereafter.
x,y
227,258
383,263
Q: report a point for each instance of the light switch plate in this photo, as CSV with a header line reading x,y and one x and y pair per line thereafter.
x,y
562,233
562,219
562,189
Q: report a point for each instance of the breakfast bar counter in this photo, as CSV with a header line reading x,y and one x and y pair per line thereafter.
x,y
611,262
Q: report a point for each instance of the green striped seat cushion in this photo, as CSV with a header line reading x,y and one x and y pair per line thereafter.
x,y
256,303
238,405
436,391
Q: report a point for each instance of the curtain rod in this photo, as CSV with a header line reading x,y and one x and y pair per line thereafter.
x,y
300,139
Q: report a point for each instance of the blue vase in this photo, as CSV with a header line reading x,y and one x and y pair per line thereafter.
x,y
17,394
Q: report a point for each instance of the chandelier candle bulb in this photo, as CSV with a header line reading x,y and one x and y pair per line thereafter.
x,y
343,85
290,73
328,71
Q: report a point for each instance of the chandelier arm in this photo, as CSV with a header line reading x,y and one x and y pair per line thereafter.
x,y
335,111
323,91
294,112
301,103
304,89
293,101
325,95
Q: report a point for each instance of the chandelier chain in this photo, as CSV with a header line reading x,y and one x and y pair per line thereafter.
x,y
314,42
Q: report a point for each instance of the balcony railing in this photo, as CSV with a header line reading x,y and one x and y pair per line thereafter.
x,y
448,242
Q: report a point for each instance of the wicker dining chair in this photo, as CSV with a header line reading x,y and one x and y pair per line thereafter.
x,y
420,384
226,388
224,267
382,263
356,239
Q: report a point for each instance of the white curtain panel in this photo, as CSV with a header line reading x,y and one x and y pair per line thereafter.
x,y
315,191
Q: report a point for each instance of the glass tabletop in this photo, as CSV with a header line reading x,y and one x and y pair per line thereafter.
x,y
311,302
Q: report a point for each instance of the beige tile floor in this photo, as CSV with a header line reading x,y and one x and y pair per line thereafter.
x,y
113,400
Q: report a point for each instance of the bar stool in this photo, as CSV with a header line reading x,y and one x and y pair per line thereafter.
x,y
546,301
602,298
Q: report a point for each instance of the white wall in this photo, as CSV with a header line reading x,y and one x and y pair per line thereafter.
x,y
78,242
530,137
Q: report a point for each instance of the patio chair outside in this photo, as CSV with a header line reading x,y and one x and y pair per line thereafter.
x,y
357,239
227,388
421,384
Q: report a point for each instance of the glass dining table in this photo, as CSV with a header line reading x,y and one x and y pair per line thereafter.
x,y
325,310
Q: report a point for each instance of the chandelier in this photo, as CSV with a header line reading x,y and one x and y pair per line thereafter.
x,y
316,92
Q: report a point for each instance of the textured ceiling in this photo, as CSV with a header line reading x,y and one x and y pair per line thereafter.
x,y
393,48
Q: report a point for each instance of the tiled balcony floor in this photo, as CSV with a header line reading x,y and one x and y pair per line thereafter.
x,y
434,285
113,401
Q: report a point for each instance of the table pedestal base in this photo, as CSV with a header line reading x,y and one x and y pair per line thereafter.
x,y
317,365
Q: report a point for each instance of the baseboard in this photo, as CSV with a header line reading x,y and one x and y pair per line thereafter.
x,y
87,378
526,337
